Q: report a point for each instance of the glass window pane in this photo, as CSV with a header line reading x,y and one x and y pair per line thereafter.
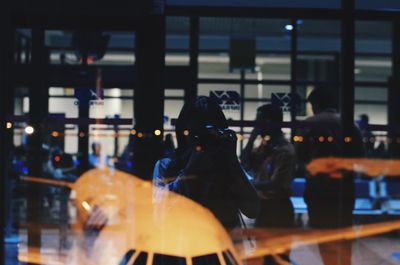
x,y
174,93
177,29
177,41
211,259
128,255
373,47
384,5
229,259
141,259
23,46
271,67
172,109
371,101
319,35
257,3
160,259
215,65
264,92
269,34
111,47
228,102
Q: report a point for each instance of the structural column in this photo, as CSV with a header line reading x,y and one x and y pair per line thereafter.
x,y
346,93
191,92
293,70
6,110
38,109
149,94
394,93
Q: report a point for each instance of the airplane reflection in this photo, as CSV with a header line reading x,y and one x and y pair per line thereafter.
x,y
370,167
149,225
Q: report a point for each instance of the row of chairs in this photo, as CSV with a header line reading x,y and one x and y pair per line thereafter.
x,y
373,197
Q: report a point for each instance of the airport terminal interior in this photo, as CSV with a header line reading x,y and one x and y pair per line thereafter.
x,y
174,132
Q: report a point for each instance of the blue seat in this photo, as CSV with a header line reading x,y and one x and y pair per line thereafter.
x,y
365,198
390,189
298,187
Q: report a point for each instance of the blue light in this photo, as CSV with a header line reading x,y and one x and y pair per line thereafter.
x,y
129,164
289,27
396,255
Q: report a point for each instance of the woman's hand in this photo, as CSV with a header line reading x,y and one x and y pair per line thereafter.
x,y
96,219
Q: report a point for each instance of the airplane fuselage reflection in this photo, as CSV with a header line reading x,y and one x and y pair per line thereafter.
x,y
146,225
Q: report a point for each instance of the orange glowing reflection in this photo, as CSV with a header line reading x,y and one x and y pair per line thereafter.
x,y
370,167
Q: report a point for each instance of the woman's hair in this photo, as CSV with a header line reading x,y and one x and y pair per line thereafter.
x,y
195,116
270,112
323,98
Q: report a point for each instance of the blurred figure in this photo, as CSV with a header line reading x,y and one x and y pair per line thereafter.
x,y
59,165
168,145
366,134
330,199
125,161
205,167
95,156
272,166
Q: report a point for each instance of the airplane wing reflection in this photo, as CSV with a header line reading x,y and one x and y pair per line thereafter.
x,y
272,241
370,167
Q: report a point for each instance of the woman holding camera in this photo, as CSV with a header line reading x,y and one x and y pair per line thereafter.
x,y
205,167
272,165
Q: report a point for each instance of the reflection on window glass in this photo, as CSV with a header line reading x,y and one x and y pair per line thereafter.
x,y
23,46
371,101
160,259
227,95
373,46
215,39
211,259
319,35
215,65
172,109
141,259
264,92
127,257
112,47
177,38
271,67
378,5
372,68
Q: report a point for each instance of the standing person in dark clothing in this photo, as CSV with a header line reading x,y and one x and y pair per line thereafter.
x,y
205,167
272,166
367,136
330,199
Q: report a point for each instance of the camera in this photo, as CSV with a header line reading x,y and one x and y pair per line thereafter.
x,y
211,136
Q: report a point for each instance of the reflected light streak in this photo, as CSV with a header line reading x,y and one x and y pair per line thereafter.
x,y
370,167
86,206
274,241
